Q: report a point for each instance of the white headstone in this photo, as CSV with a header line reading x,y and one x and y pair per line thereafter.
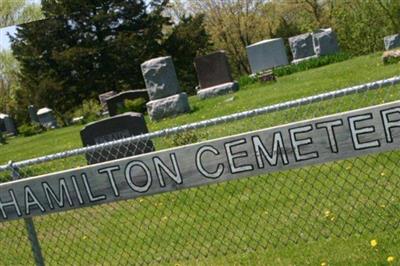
x,y
47,118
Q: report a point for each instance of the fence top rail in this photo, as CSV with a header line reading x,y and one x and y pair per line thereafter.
x,y
210,122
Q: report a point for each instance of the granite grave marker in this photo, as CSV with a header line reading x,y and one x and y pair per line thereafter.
x,y
214,75
266,55
166,98
392,42
7,125
46,118
117,101
115,128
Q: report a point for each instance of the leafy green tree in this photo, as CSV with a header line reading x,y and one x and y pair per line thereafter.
x,y
86,48
187,40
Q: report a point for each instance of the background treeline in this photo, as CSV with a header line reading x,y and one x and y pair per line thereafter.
x,y
84,48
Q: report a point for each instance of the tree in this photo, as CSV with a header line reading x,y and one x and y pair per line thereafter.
x,y
187,40
233,25
18,11
9,71
85,48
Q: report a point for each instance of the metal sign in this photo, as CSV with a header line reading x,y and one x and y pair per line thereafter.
x,y
340,136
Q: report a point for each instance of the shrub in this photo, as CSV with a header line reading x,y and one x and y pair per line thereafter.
x,y
185,138
247,80
137,105
27,130
90,110
310,64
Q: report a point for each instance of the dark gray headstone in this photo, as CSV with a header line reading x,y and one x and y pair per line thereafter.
x,y
103,99
213,69
302,46
392,41
115,128
46,118
33,114
7,125
117,101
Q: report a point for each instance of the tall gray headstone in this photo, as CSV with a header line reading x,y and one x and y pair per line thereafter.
x,y
166,98
214,75
266,55
325,42
32,110
7,125
392,42
117,101
116,128
302,46
46,118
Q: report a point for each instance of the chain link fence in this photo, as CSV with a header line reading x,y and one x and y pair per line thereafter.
x,y
332,200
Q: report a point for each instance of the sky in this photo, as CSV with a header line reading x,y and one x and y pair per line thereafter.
x,y
4,39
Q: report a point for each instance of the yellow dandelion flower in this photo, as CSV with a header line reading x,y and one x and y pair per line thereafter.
x,y
323,264
373,243
327,214
390,259
332,218
141,200
383,174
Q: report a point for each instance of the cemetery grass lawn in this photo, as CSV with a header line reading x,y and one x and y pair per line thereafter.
x,y
342,250
332,77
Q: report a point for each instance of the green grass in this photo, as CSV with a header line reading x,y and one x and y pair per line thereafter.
x,y
326,213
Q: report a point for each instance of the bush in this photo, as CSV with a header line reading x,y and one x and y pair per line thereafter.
x,y
247,80
137,105
311,63
185,138
27,130
90,110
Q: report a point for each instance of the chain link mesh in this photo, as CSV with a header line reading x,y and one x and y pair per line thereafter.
x,y
327,201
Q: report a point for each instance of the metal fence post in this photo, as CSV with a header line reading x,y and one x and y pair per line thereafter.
x,y
30,227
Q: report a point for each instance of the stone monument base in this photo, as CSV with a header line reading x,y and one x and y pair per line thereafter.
x,y
296,61
169,106
218,90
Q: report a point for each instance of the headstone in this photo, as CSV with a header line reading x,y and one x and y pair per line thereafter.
x,y
325,42
160,78
103,99
7,125
46,118
166,98
214,75
392,41
302,46
117,101
115,128
33,114
266,55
